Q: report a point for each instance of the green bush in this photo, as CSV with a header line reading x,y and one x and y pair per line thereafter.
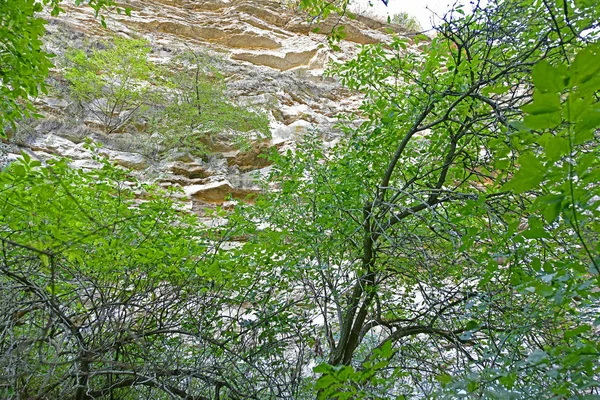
x,y
198,106
408,22
113,83
183,103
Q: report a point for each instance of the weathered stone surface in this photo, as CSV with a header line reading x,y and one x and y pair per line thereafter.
x,y
8,154
218,192
252,159
177,155
189,170
283,63
128,160
178,180
271,61
57,145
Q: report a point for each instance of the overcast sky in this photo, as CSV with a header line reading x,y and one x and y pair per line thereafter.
x,y
423,10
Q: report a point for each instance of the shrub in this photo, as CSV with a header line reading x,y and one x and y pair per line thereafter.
x,y
198,106
112,83
406,21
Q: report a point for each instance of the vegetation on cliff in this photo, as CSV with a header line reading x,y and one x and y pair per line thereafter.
x,y
183,103
446,247
24,62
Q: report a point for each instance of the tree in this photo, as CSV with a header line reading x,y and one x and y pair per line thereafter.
x,y
423,239
114,83
407,21
198,106
446,247
24,64
104,294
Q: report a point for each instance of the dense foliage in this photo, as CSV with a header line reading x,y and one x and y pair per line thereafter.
x,y
24,65
113,83
184,103
197,105
446,247
23,62
107,290
450,243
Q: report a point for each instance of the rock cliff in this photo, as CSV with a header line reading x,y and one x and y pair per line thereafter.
x,y
270,57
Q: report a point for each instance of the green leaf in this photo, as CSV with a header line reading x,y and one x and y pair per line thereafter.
x,y
551,206
322,368
508,381
472,324
386,350
530,174
45,260
325,381
555,146
589,119
537,356
549,79
582,134
586,65
536,229
577,331
544,112
444,379
543,103
496,89
576,106
543,121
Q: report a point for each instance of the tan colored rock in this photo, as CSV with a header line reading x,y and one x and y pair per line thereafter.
x,y
263,13
353,33
226,35
251,41
218,192
250,160
282,63
189,170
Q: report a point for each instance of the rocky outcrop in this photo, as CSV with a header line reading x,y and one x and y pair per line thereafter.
x,y
281,62
252,159
271,59
220,191
190,170
132,161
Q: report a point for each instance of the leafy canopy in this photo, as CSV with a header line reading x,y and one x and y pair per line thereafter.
x,y
456,226
24,64
113,84
198,107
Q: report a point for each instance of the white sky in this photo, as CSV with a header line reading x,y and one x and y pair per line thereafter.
x,y
423,10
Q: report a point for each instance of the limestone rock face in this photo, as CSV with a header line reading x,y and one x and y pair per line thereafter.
x,y
219,192
271,61
132,161
281,62
189,170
